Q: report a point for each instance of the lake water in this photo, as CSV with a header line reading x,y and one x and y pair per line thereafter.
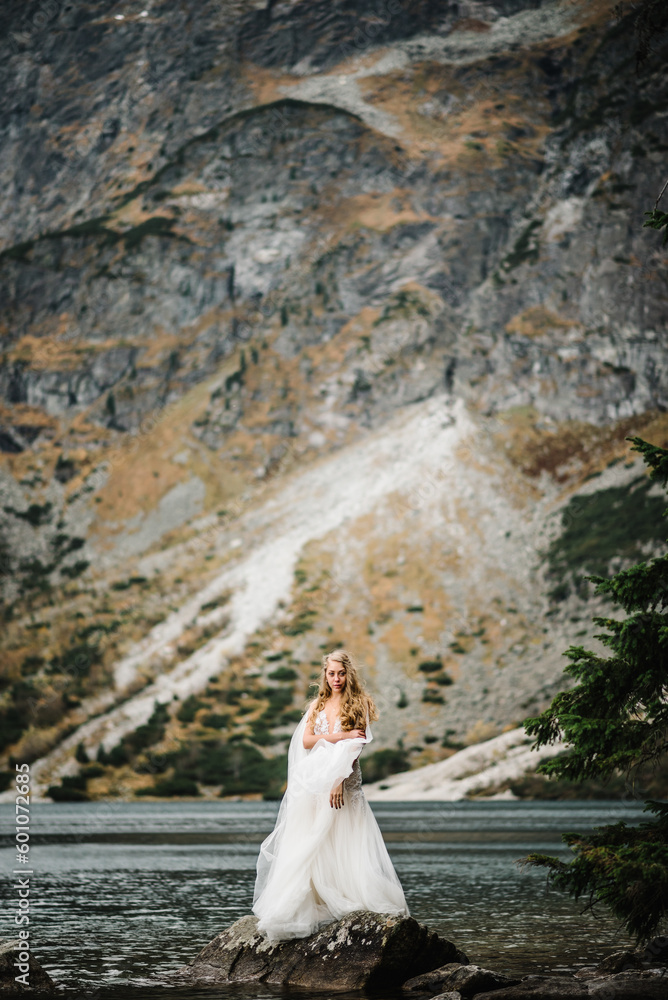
x,y
125,890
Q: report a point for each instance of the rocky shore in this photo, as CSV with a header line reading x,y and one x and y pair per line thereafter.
x,y
32,977
368,950
374,951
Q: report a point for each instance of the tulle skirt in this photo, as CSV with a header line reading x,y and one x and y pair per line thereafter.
x,y
321,863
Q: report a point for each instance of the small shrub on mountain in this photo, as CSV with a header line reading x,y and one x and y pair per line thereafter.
x,y
93,771
283,674
150,733
215,720
72,788
435,697
291,716
116,757
430,666
190,708
382,763
171,788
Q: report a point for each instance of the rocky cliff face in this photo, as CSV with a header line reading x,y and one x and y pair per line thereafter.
x,y
317,317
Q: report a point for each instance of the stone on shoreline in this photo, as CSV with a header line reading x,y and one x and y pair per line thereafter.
x,y
38,979
362,950
645,985
540,988
466,980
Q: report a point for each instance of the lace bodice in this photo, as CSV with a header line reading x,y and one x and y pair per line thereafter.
x,y
352,786
321,724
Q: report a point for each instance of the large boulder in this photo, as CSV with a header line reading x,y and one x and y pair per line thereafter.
x,y
362,950
37,978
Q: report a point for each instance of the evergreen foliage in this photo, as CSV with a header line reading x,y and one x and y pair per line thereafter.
x,y
615,719
657,220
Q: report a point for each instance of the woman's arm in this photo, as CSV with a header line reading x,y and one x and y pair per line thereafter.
x,y
310,739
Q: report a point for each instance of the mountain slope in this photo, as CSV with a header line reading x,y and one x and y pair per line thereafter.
x,y
318,328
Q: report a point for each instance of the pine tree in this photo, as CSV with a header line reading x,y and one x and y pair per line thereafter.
x,y
615,718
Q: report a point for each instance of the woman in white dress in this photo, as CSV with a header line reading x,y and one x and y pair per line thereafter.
x,y
326,856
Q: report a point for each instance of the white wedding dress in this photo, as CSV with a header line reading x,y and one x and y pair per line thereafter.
x,y
320,863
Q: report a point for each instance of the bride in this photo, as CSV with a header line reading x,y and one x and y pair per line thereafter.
x,y
326,856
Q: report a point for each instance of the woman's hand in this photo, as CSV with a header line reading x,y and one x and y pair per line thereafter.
x,y
336,797
355,734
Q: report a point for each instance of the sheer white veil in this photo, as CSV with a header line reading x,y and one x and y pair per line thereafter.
x,y
304,812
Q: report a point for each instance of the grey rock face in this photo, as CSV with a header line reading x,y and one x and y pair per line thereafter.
x,y
544,289
323,33
362,950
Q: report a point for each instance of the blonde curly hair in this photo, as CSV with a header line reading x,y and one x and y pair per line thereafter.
x,y
355,702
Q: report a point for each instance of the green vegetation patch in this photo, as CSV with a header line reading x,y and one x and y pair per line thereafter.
x,y
382,763
526,248
237,766
279,699
36,514
32,664
430,666
615,522
150,733
130,582
76,660
140,739
71,789
403,305
292,715
215,720
19,713
283,674
301,623
435,697
171,788
190,708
